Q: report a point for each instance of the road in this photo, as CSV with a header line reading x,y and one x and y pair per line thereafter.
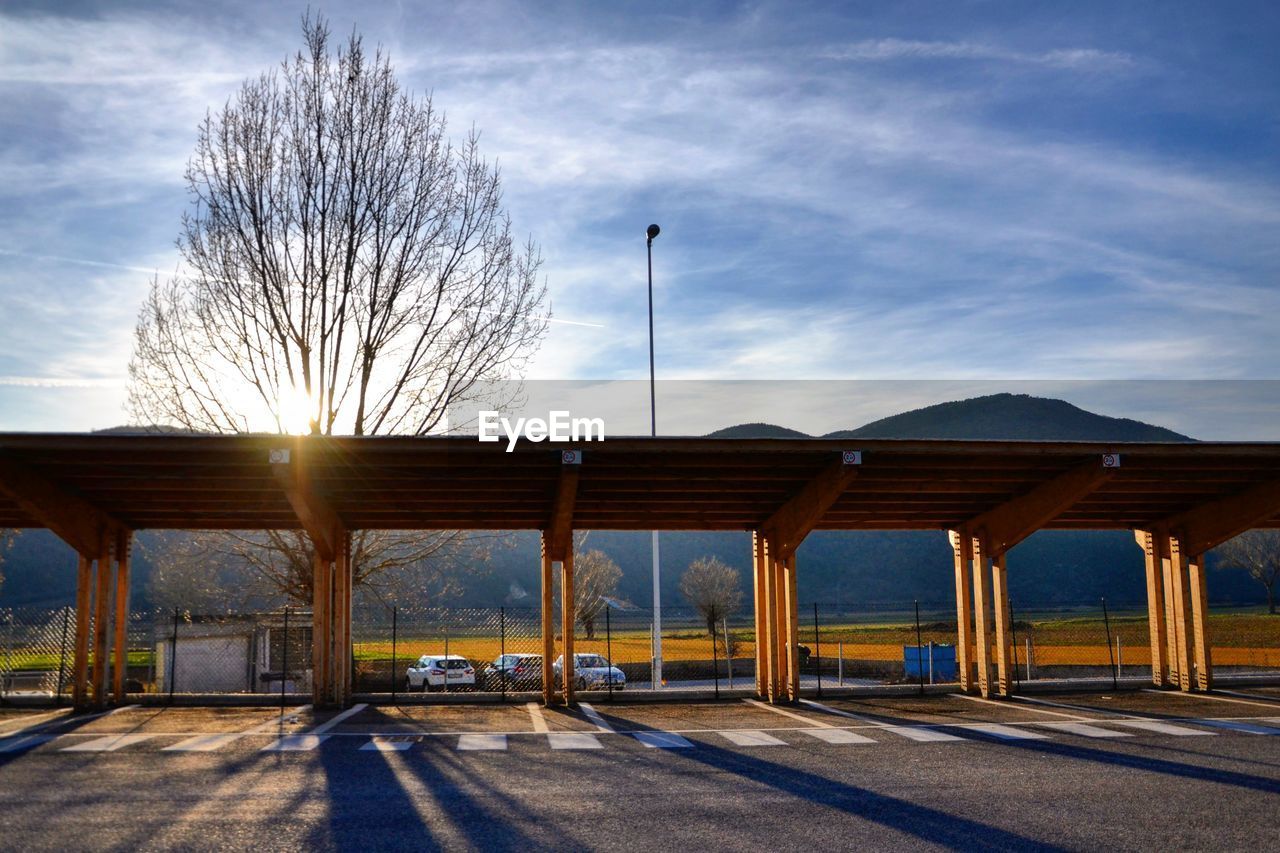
x,y
1130,770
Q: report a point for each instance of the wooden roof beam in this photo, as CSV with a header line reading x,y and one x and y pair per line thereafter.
x,y
72,518
313,511
1008,524
1208,526
560,528
787,527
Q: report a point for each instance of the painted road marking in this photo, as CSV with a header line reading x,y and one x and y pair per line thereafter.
x,y
573,740
295,743
594,716
1238,726
792,714
1083,729
110,743
472,743
350,712
21,743
748,737
1215,697
1005,732
834,735
204,743
535,714
1162,728
663,740
916,733
921,733
397,743
209,743
1006,705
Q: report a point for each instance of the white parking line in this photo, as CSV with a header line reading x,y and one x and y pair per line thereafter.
x,y
1238,726
468,743
110,743
792,714
838,736
210,743
535,714
1005,732
573,740
1161,728
916,733
398,743
337,720
1006,705
663,740
1212,696
21,743
1082,729
594,716
27,722
744,737
295,743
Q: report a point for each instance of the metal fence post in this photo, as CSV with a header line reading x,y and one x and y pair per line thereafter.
x,y
728,652
1029,647
394,626
1106,621
715,660
1119,657
840,663
446,657
502,650
608,646
919,648
284,665
931,661
62,655
8,652
817,649
1013,630
173,656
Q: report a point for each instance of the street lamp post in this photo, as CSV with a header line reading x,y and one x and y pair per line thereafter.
x,y
650,233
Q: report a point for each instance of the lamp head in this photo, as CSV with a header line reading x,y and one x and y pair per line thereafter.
x,y
653,231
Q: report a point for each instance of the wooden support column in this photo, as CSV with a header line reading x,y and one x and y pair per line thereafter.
x,y
782,628
962,551
1200,616
793,627
982,614
342,618
758,585
771,623
80,666
1181,612
1155,607
567,618
1004,645
321,631
548,628
102,625
120,656
1170,610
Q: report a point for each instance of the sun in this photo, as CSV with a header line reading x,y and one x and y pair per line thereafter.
x,y
295,411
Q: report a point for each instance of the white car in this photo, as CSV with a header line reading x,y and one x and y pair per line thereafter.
x,y
440,672
591,672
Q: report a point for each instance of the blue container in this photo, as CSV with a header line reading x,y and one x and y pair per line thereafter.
x,y
915,660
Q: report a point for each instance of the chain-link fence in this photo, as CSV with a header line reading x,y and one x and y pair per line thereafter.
x,y
400,650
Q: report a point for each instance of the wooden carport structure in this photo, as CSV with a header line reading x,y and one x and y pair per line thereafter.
x,y
1180,500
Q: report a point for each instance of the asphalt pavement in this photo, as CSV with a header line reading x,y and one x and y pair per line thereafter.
x,y
1086,771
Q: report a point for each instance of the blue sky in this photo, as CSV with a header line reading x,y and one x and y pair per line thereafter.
x,y
847,191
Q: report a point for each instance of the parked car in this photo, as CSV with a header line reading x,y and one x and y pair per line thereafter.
x,y
591,672
438,672
523,672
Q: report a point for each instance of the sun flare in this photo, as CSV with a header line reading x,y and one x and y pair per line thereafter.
x,y
296,411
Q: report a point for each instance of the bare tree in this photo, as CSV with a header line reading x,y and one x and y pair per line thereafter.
x,y
1258,553
595,578
7,535
711,586
347,270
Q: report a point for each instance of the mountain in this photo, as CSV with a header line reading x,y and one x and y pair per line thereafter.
x,y
757,431
1010,416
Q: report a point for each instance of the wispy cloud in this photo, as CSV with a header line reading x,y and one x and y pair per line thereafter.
x,y
891,49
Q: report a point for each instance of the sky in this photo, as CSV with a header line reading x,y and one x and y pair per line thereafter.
x,y
964,191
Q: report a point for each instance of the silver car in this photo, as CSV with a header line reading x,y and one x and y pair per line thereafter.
x,y
590,672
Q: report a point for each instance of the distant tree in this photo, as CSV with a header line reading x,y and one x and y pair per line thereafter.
x,y
1258,553
711,586
595,577
6,539
348,270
